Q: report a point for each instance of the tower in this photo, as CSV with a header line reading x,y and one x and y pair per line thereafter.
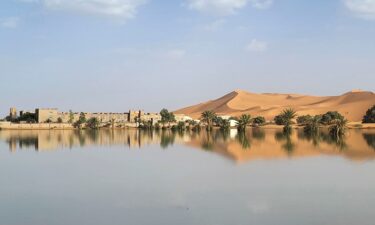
x,y
13,113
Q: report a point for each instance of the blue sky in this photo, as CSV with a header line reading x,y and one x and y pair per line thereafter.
x,y
113,55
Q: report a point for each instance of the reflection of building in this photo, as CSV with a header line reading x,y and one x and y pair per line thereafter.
x,y
56,139
255,144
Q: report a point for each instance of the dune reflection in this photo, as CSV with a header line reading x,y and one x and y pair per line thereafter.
x,y
255,144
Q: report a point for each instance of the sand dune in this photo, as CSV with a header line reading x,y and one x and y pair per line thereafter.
x,y
353,105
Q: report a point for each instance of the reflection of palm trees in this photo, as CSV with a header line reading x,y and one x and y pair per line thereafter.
x,y
320,136
243,140
81,137
338,141
207,142
215,140
258,134
313,137
220,135
285,137
167,139
93,135
370,140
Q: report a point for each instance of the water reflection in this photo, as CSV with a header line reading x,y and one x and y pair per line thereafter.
x,y
254,144
370,139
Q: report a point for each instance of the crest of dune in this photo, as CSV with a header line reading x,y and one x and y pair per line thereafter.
x,y
353,105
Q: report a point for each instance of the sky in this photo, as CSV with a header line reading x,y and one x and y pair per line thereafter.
x,y
116,55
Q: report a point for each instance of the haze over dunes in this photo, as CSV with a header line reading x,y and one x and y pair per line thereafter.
x,y
353,105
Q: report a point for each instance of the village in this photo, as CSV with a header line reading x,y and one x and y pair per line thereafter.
x,y
52,118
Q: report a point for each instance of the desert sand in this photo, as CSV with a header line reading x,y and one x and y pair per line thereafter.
x,y
353,105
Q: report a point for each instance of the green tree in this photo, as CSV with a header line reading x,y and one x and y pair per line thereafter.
x,y
224,125
192,123
59,120
303,120
279,120
167,117
243,121
259,121
331,117
27,117
287,116
71,116
338,127
370,116
157,126
312,125
93,123
82,120
181,126
217,120
208,117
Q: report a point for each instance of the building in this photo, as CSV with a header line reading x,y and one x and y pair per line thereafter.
x,y
46,115
52,115
13,113
182,118
151,117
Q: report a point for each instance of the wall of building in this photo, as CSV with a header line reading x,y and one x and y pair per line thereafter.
x,y
34,126
120,119
182,118
153,117
102,117
44,115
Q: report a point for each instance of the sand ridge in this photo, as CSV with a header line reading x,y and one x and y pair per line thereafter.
x,y
353,105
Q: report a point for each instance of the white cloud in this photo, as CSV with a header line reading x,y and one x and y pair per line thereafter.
x,y
226,7
124,9
10,22
261,4
215,25
362,8
176,53
257,46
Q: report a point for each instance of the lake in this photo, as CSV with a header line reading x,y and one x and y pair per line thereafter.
x,y
229,178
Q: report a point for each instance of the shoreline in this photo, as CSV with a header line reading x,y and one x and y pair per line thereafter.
x,y
64,126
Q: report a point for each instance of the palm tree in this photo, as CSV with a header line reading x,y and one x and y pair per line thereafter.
x,y
224,125
208,117
243,121
287,116
338,127
312,125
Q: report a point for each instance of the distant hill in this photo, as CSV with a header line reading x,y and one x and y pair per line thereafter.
x,y
353,105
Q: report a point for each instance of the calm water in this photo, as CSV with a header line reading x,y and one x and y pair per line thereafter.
x,y
133,177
